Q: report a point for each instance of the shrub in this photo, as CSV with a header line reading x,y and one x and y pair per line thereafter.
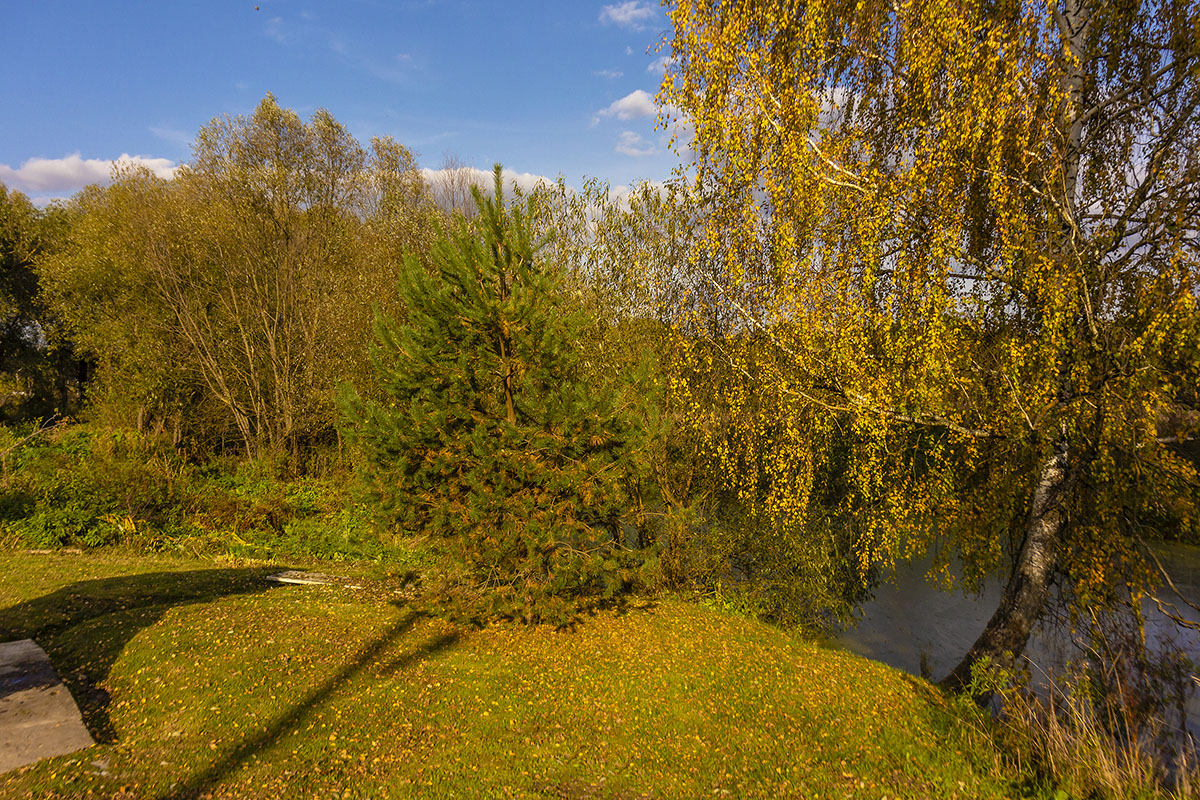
x,y
85,487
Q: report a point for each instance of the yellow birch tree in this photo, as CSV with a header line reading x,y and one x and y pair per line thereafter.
x,y
962,240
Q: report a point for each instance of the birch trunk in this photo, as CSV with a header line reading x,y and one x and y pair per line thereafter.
x,y
1025,595
1024,598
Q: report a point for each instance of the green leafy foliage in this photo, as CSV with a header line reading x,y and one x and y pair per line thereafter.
x,y
39,373
85,486
226,304
486,433
80,486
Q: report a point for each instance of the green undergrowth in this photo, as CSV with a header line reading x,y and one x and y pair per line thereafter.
x,y
89,487
202,679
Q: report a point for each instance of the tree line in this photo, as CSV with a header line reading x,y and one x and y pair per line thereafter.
x,y
226,304
915,294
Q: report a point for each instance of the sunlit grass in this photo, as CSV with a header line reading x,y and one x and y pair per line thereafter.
x,y
244,689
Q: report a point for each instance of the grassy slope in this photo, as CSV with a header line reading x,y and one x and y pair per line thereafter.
x,y
207,681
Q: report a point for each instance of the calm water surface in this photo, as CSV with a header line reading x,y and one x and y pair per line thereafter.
x,y
910,622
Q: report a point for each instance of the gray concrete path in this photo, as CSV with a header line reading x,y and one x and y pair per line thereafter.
x,y
38,716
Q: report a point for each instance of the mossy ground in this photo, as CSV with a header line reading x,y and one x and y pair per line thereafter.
x,y
204,680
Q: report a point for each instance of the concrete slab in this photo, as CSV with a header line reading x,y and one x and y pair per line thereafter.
x,y
313,578
38,716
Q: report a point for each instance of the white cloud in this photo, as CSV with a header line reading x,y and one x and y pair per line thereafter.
x,y
659,65
628,50
630,14
680,131
624,194
275,30
173,135
636,104
525,181
397,69
71,173
632,144
610,74
683,134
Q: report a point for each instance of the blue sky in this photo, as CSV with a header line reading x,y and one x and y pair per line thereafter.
x,y
547,87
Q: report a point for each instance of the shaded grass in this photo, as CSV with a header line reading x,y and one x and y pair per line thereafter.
x,y
295,691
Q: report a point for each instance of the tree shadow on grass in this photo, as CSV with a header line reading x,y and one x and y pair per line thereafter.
x,y
84,627
201,783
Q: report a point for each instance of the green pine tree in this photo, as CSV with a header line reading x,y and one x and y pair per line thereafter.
x,y
486,432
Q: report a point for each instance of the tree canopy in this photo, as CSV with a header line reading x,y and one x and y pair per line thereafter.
x,y
38,369
962,244
232,299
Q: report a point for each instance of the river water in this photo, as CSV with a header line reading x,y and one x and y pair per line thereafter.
x,y
910,624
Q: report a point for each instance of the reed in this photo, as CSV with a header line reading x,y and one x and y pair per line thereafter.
x,y
1076,740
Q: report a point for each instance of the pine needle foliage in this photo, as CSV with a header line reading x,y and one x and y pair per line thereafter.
x,y
489,434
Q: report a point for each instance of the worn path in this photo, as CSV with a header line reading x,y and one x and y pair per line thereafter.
x,y
38,716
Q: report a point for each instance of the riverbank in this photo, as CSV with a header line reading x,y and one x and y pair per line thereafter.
x,y
203,679
914,626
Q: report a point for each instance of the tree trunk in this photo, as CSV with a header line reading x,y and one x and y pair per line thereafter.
x,y
1024,597
1007,632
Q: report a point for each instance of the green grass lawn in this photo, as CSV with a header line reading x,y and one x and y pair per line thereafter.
x,y
205,680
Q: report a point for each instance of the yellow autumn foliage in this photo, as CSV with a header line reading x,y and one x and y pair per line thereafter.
x,y
948,235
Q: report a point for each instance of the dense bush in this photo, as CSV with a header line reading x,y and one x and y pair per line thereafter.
x,y
86,486
226,304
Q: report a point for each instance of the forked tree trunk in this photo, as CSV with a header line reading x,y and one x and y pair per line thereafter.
x,y
1024,597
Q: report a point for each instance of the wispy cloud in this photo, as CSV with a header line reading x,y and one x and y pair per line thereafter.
x,y
683,135
71,173
637,103
659,66
173,135
278,31
632,144
630,14
396,69
430,139
610,74
525,181
309,32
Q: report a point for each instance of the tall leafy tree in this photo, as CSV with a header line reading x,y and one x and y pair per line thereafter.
x,y
233,298
98,284
486,433
637,268
41,374
963,240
